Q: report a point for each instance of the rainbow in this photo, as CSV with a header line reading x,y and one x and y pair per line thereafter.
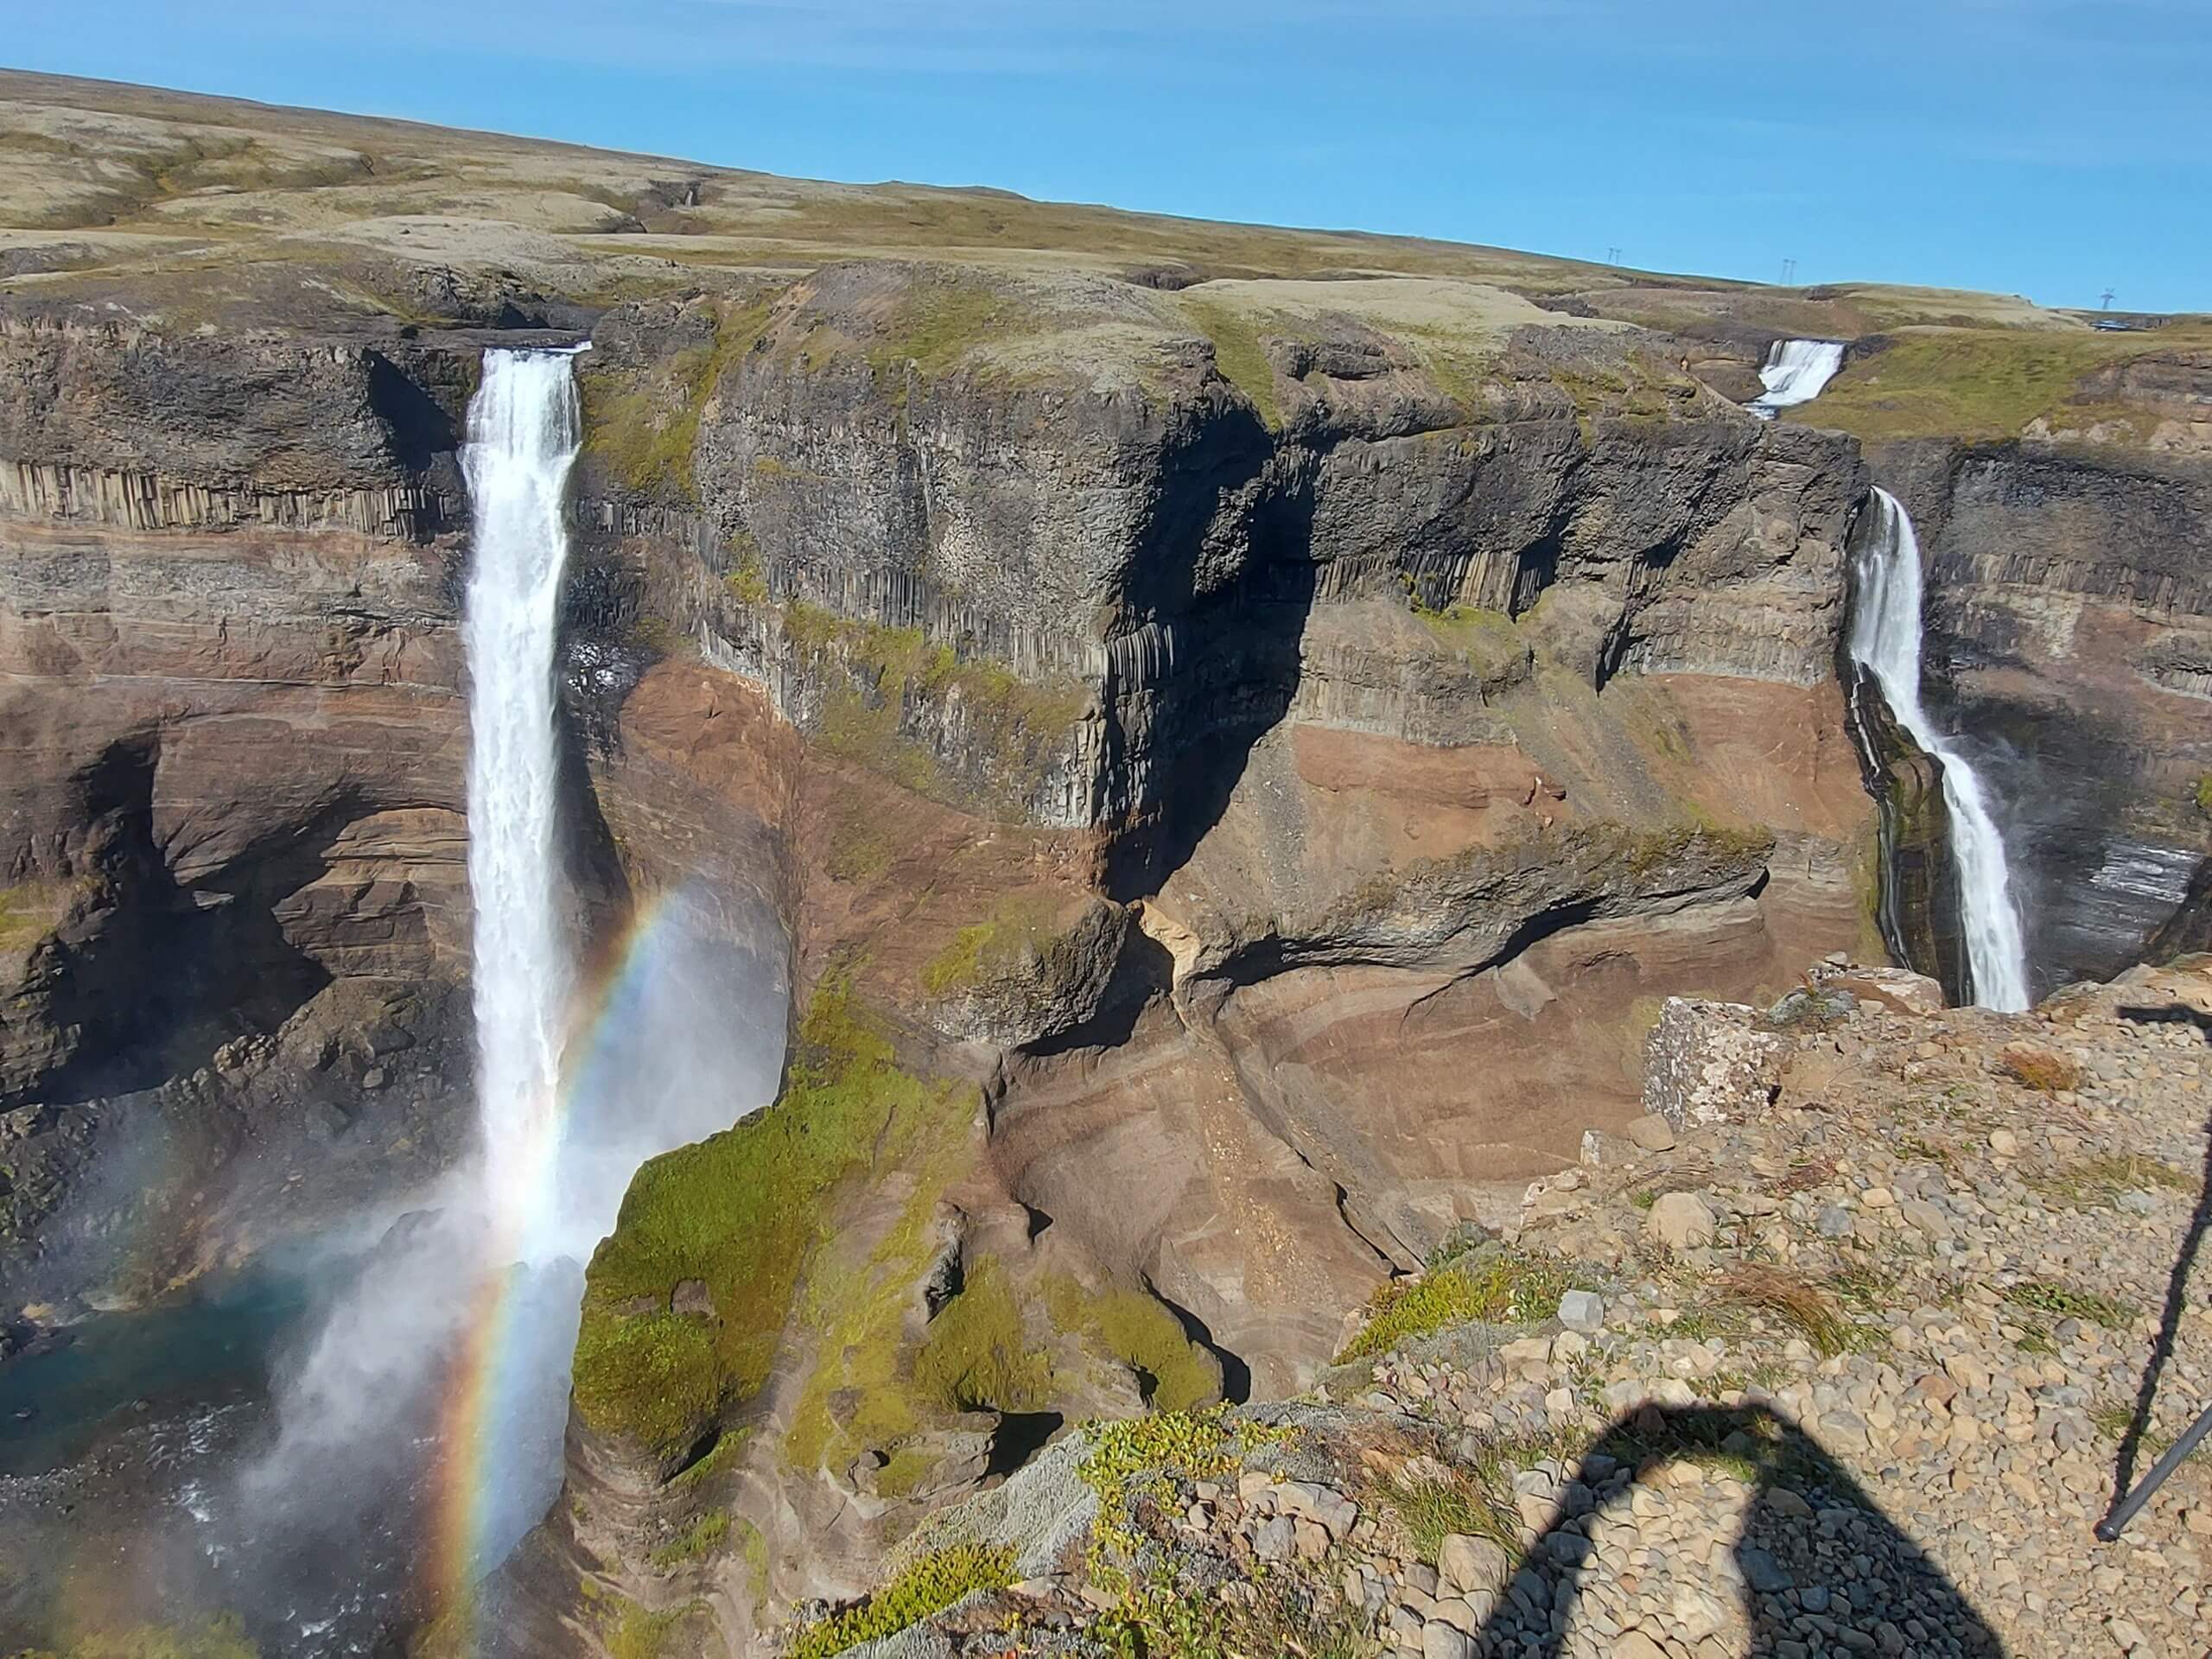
x,y
494,1373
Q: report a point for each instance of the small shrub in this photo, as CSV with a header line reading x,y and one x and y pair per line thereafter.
x,y
1431,1509
1799,1305
927,1586
2040,1070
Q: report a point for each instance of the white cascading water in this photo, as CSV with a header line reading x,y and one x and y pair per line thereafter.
x,y
1795,372
1885,640
322,1533
523,436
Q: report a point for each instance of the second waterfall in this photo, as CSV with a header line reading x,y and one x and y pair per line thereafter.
x,y
1885,640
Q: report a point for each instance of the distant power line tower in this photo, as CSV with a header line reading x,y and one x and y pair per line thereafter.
x,y
1612,256
1789,273
2107,299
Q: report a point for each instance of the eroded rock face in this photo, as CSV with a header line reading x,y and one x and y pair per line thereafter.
x,y
1287,822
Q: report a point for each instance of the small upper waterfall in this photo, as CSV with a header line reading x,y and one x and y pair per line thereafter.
x,y
1885,640
523,437
1795,372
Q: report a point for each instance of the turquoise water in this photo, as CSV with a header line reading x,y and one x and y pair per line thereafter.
x,y
212,1346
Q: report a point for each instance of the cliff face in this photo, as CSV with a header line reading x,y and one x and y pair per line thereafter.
x,y
2071,624
230,815
1229,762
1171,763
1261,748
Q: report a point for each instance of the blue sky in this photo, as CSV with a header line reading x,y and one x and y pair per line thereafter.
x,y
2041,147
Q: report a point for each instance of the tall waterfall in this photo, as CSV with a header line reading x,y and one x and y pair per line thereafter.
x,y
1795,371
523,436
1885,640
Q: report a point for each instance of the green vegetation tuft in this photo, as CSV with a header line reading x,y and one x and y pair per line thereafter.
x,y
1141,1470
1239,356
631,1631
748,582
2062,1301
862,1393
704,1537
902,1473
2040,1070
928,1586
1139,1331
741,1211
1488,641
977,1356
1504,1287
936,324
1804,1307
1630,388
725,1451
2114,1422
2202,793
1432,1509
752,1545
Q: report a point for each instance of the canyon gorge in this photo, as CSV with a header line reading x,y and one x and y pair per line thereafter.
x,y
1112,786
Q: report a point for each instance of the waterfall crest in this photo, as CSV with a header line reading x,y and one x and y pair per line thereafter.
x,y
1795,372
523,437
1885,640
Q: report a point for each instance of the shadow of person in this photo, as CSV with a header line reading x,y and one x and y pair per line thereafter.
x,y
1810,1562
2162,1346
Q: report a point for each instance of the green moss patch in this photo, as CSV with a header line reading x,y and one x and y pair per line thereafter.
x,y
1486,639
741,1211
1981,383
861,1394
1506,1287
31,910
978,1357
871,675
643,426
217,1638
936,323
1017,925
1239,356
1142,1333
928,1586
